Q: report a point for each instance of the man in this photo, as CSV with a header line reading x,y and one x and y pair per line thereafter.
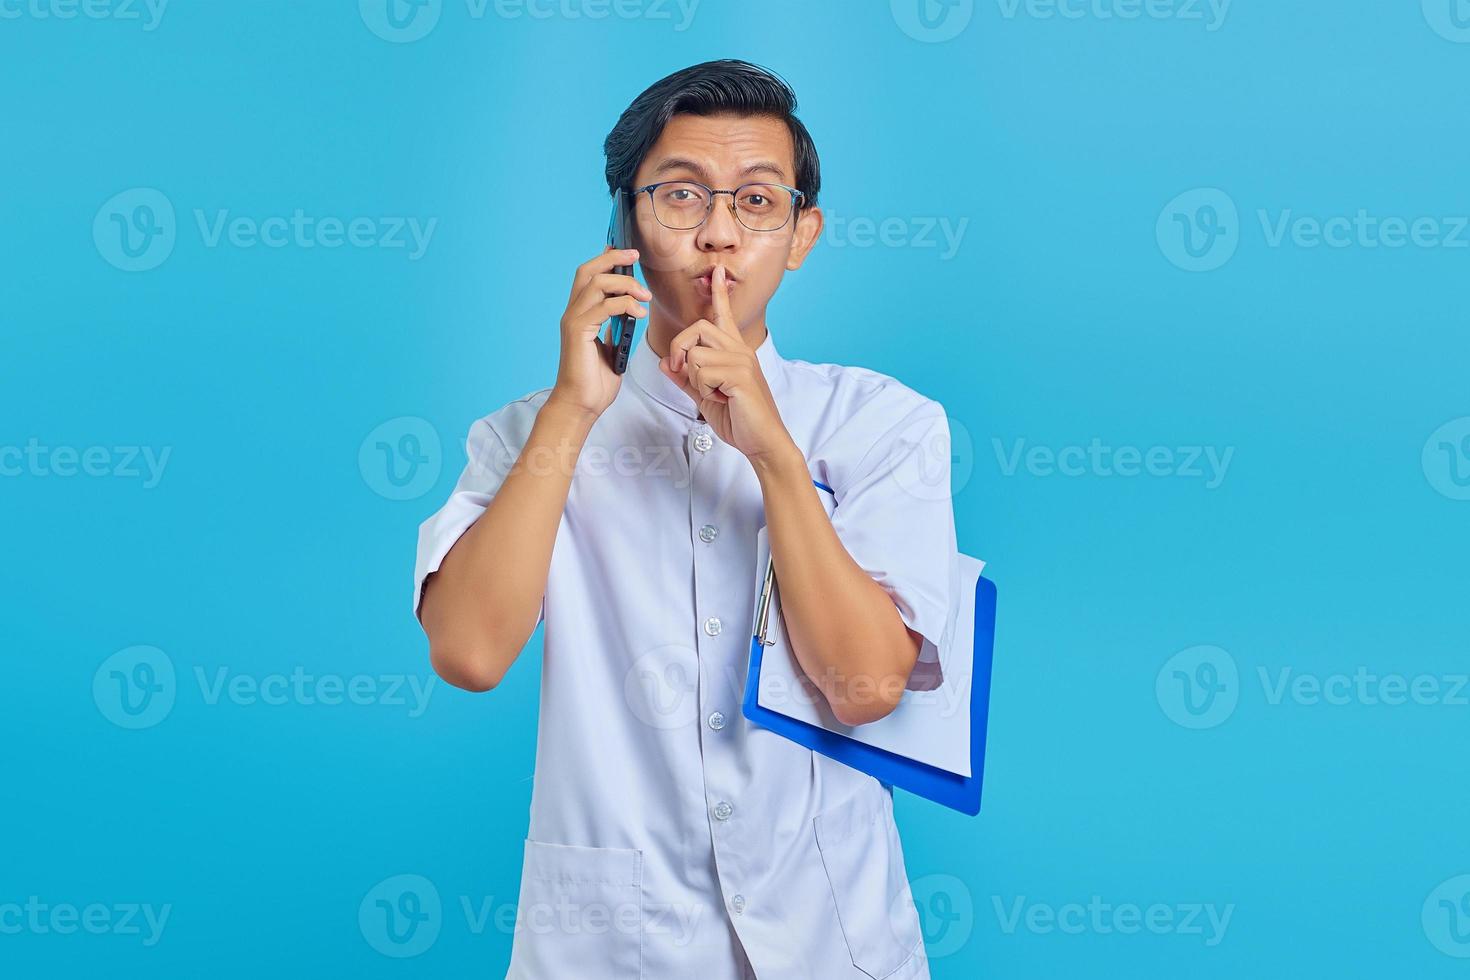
x,y
669,837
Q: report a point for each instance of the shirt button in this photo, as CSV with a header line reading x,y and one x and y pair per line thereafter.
x,y
703,442
738,904
708,533
717,720
712,626
723,810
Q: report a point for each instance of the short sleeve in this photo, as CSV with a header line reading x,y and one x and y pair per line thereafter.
x,y
488,461
895,516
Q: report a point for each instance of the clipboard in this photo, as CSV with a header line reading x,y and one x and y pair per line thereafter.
x,y
951,789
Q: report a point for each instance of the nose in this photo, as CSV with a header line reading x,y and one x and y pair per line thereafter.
x,y
720,231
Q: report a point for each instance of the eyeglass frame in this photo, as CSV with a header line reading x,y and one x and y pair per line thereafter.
x,y
797,197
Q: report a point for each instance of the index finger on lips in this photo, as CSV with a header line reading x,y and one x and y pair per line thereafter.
x,y
720,291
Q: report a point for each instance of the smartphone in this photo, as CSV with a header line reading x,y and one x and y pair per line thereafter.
x,y
620,327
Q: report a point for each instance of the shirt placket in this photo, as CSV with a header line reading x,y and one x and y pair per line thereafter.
x,y
720,630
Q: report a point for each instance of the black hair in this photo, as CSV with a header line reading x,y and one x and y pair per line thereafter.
x,y
713,87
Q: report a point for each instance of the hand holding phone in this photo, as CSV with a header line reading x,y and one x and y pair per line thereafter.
x,y
585,378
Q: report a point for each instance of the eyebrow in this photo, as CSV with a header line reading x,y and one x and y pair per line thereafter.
x,y
679,163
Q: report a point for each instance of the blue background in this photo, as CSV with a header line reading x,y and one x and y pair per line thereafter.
x,y
1064,317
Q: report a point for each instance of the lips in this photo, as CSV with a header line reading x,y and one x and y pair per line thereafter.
x,y
706,283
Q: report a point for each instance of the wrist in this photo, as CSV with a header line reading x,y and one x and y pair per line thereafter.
x,y
567,412
781,465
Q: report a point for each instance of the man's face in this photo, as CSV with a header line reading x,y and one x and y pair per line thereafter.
x,y
721,152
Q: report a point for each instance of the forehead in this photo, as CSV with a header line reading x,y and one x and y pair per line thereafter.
x,y
725,147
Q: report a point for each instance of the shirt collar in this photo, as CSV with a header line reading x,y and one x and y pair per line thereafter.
x,y
643,369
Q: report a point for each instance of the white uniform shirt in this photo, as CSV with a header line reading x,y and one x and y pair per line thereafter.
x,y
670,837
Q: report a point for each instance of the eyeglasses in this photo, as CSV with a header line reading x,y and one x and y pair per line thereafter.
x,y
684,204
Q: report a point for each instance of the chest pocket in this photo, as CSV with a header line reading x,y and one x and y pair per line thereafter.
x,y
580,913
864,862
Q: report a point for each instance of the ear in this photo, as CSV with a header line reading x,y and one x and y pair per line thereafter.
x,y
808,230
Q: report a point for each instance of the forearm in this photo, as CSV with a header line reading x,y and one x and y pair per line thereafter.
x,y
845,631
480,607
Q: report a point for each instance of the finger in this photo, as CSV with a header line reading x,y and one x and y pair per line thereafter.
x,y
594,317
711,370
606,284
612,282
720,290
610,259
700,333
